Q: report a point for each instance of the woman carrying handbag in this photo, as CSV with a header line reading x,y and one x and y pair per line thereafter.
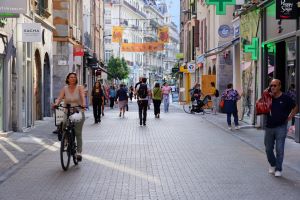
x,y
230,98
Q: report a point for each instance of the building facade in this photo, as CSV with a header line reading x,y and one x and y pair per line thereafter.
x,y
27,68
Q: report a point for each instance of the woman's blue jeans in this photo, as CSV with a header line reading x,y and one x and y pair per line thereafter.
x,y
166,103
235,117
275,136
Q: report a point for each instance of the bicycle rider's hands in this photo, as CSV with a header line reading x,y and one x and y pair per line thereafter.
x,y
54,106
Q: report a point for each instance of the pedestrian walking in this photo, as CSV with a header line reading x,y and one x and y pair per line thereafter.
x,y
283,109
166,89
112,96
97,98
214,97
135,88
131,90
143,92
105,92
122,99
292,93
230,97
73,94
156,98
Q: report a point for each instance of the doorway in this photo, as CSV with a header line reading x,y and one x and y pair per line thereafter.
x,y
37,87
47,100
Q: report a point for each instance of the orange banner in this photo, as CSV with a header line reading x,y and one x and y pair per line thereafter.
x,y
117,34
163,34
143,47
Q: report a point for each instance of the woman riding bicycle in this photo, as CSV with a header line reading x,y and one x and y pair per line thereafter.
x,y
73,94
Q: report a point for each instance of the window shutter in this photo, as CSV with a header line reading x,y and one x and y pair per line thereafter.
x,y
196,33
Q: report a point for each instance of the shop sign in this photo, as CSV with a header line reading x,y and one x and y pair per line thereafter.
x,y
175,69
191,67
13,6
78,50
236,28
224,31
31,32
252,48
287,9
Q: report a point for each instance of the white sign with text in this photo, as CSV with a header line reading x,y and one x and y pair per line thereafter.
x,y
31,32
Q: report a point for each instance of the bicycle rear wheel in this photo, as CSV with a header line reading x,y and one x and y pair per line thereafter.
x,y
65,152
188,108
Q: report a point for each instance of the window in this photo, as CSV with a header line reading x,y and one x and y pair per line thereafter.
x,y
42,8
108,54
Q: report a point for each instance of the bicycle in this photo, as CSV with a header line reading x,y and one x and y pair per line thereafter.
x,y
68,145
198,106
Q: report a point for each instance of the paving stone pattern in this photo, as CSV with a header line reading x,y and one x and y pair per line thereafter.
x,y
178,156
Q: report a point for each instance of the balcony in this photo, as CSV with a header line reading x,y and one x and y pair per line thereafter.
x,y
134,8
41,7
154,23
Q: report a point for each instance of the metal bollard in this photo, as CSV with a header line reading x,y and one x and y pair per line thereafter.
x,y
297,128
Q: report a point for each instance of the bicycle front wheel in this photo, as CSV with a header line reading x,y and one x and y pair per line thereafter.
x,y
65,152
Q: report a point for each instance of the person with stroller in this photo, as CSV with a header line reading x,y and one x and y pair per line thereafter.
x,y
196,93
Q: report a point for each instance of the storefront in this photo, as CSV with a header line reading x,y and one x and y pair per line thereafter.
x,y
279,49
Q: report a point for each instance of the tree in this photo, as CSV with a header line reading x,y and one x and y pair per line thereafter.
x,y
117,68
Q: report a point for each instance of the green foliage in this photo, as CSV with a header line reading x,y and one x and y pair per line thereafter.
x,y
117,69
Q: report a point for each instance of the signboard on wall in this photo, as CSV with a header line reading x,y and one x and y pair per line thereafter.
x,y
287,9
13,6
31,32
224,31
191,67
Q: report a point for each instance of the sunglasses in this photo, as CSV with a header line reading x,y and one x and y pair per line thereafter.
x,y
273,85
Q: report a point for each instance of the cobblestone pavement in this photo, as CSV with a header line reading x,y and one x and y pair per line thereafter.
x,y
178,156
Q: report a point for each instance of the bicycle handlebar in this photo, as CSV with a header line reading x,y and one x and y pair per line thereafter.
x,y
68,106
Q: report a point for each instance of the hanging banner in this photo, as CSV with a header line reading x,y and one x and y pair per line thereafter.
x,y
31,32
287,9
117,34
163,34
142,47
78,50
13,6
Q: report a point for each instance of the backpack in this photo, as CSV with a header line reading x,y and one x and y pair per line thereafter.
x,y
143,91
217,93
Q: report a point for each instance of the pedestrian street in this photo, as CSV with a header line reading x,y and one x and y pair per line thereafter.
x,y
178,156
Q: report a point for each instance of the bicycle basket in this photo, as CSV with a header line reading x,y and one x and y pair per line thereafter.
x,y
59,116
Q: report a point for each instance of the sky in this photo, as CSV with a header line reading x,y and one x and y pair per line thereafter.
x,y
174,9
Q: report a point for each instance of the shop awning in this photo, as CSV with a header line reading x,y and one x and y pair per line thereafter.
x,y
221,48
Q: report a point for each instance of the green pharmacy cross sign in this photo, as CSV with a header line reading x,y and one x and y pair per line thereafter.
x,y
221,5
252,48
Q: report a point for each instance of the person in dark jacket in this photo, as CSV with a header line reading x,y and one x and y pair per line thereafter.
x,y
230,97
97,98
122,99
